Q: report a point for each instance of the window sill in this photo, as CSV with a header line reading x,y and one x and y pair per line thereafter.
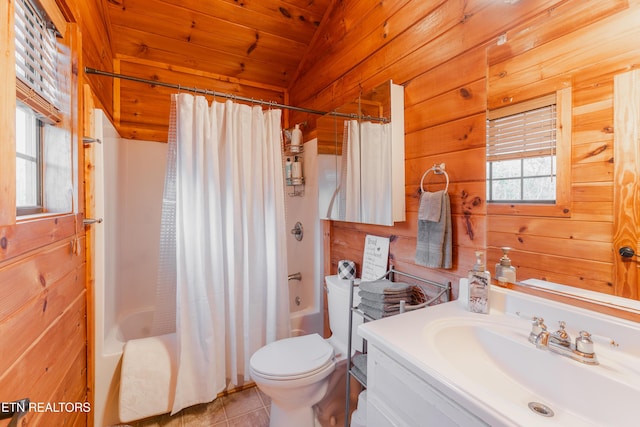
x,y
40,215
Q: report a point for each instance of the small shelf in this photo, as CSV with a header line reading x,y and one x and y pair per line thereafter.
x,y
295,181
359,368
296,192
293,150
357,365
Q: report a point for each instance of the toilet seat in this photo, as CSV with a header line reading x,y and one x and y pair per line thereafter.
x,y
292,358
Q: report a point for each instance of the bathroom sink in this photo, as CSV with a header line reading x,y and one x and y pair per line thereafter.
x,y
498,360
486,365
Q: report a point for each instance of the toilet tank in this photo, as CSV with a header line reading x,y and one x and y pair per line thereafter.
x,y
338,305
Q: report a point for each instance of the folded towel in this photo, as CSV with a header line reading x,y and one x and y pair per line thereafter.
x,y
433,245
430,208
384,287
376,313
147,377
381,306
360,364
387,298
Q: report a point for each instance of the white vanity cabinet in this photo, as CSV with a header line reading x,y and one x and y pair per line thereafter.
x,y
397,397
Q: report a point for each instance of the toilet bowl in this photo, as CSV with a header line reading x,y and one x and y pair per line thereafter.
x,y
294,372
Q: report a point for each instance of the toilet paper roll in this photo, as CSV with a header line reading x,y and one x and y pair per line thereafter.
x,y
346,269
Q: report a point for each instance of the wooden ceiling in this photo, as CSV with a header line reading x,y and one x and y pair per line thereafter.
x,y
261,41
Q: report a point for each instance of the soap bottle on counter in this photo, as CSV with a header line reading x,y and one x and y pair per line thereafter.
x,y
505,272
479,279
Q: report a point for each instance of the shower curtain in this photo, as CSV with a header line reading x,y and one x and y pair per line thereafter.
x,y
367,172
231,271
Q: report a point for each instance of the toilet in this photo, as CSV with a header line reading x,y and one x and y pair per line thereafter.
x,y
294,372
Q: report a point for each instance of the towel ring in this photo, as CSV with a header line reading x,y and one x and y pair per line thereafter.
x,y
438,170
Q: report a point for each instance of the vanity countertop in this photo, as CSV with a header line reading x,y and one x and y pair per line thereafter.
x,y
486,364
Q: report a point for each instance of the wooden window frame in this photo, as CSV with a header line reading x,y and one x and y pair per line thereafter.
x,y
562,205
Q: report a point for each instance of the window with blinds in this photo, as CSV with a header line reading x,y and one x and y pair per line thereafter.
x,y
38,101
36,61
521,152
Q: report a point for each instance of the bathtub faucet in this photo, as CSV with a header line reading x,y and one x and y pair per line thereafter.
x,y
295,276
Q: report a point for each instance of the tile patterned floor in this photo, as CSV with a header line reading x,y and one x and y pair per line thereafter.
x,y
247,408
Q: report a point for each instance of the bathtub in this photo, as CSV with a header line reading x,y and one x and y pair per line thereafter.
x,y
130,326
309,320
306,256
125,247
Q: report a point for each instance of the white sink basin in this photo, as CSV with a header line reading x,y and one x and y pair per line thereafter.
x,y
496,359
486,364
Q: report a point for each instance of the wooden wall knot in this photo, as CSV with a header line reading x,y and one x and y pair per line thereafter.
x,y
284,12
465,93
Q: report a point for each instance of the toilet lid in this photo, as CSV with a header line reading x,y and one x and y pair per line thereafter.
x,y
292,357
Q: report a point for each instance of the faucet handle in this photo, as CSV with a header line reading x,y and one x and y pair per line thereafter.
x,y
584,343
537,327
561,336
538,324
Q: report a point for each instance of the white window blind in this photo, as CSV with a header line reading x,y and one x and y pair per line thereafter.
x,y
522,131
36,61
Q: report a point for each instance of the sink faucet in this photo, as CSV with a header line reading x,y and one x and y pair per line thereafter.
x,y
560,343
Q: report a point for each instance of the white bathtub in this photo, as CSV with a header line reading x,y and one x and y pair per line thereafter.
x,y
133,325
130,326
307,321
126,246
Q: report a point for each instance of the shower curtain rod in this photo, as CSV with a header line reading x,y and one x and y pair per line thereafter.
x,y
89,70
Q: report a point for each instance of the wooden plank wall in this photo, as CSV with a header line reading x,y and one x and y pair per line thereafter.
x,y
141,111
96,46
43,336
445,55
581,45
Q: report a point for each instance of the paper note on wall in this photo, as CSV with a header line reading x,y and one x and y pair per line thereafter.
x,y
376,255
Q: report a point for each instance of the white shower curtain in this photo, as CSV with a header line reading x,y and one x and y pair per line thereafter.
x,y
367,172
231,271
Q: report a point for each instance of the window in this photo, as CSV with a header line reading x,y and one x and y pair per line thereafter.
x,y
28,161
40,91
529,156
521,153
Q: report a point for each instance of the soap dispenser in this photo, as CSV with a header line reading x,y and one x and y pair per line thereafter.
x,y
479,279
505,272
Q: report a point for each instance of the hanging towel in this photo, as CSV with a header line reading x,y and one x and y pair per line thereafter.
x,y
147,377
433,248
430,208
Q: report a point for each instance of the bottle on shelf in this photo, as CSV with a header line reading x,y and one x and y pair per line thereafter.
x,y
296,139
288,173
296,171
